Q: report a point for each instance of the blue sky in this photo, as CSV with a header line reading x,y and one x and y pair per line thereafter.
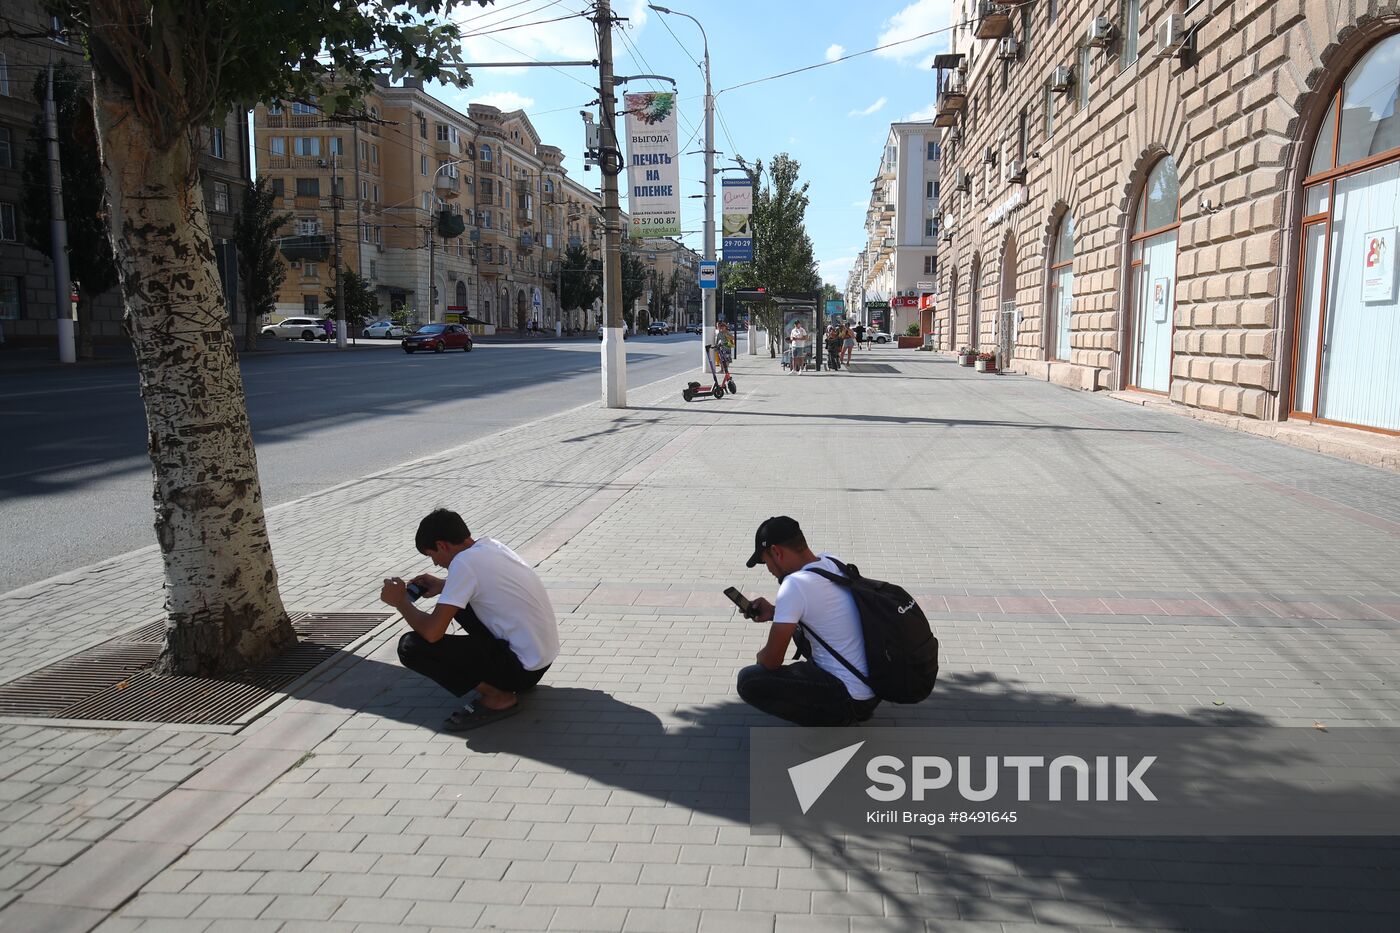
x,y
833,120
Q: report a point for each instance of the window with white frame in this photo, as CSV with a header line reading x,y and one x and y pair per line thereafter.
x,y
303,109
220,198
308,226
57,32
1131,18
278,145
310,270
308,187
930,227
216,142
423,165
1081,77
373,154
308,146
485,153
337,144
275,109
373,270
427,200
442,132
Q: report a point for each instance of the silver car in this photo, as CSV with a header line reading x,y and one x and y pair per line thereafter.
x,y
303,328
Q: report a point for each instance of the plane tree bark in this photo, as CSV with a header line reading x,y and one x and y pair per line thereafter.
x,y
163,71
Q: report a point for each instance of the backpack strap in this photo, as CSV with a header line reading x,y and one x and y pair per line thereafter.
x,y
844,581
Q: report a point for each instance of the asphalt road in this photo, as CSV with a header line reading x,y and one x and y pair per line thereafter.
x,y
75,482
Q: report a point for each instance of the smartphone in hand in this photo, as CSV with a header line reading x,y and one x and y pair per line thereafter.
x,y
415,592
746,608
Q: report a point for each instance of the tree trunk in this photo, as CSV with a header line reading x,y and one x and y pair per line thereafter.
x,y
250,325
221,600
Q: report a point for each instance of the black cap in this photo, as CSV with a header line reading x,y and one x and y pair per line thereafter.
x,y
776,530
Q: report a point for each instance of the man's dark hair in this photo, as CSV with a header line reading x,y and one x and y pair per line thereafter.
x,y
440,525
797,542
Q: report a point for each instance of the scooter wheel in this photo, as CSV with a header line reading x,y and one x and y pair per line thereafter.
x,y
685,394
733,389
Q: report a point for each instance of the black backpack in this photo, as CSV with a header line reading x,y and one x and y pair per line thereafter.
x,y
900,648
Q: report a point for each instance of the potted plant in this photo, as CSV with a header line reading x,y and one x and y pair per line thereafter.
x,y
986,362
966,355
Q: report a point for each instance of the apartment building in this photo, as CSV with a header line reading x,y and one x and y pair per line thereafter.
x,y
669,263
895,276
1195,200
28,311
441,212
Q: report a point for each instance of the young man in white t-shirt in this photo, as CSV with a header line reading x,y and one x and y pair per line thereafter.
x,y
821,691
511,637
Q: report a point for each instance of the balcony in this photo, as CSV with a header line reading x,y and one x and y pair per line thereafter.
x,y
309,247
527,241
993,20
951,100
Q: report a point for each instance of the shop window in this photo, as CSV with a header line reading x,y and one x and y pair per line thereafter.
x,y
1061,292
1152,279
1346,357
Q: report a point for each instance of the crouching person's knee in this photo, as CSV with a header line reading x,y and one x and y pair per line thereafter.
x,y
411,649
748,681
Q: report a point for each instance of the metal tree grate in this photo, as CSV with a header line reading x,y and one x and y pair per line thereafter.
x,y
113,681
871,368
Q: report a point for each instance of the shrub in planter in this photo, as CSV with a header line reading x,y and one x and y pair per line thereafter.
x,y
966,355
986,362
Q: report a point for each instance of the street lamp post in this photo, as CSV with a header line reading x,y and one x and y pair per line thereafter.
x,y
707,298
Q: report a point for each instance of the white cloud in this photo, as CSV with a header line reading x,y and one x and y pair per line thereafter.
x,y
505,100
917,18
836,269
834,52
869,110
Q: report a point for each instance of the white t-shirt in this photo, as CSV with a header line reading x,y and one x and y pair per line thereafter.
x,y
829,610
799,338
507,596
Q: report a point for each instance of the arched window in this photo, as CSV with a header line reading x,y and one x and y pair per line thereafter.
x,y
1346,353
485,153
1152,280
461,294
1061,297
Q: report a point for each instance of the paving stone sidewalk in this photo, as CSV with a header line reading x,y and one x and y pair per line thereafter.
x,y
1085,561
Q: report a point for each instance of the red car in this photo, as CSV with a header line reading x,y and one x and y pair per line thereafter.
x,y
438,338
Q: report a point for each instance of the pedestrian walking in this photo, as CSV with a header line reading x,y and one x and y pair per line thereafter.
x,y
860,335
848,342
511,634
819,691
801,342
833,347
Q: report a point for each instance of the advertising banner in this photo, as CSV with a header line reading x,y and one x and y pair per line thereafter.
x,y
736,212
653,171
835,308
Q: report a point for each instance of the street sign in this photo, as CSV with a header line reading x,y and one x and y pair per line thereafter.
x,y
709,273
924,286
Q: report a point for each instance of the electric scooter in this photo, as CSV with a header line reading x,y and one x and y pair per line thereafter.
x,y
695,390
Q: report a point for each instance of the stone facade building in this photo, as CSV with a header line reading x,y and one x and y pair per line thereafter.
x,y
1192,198
395,175
897,271
27,307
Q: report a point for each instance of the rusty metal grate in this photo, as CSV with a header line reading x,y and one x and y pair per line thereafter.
x,y
113,681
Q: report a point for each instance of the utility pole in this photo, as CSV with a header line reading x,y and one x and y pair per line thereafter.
x,y
339,283
610,162
58,232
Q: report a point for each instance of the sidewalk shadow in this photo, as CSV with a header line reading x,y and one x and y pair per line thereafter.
x,y
697,759
938,422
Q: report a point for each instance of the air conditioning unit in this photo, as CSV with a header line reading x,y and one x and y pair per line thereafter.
x,y
960,180
989,156
1062,79
1007,49
1014,173
1172,35
948,235
1101,32
955,134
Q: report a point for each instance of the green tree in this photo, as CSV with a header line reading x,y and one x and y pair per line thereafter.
x,y
783,256
831,292
90,261
634,285
361,303
164,71
581,279
261,270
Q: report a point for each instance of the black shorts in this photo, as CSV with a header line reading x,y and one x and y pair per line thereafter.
x,y
460,662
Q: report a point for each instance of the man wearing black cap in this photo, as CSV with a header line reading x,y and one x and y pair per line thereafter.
x,y
821,690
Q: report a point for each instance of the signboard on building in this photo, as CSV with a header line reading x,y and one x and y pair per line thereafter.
x,y
1006,208
835,307
1378,266
709,273
876,312
736,212
653,171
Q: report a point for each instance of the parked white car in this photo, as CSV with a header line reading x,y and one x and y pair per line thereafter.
x,y
882,337
301,328
383,329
